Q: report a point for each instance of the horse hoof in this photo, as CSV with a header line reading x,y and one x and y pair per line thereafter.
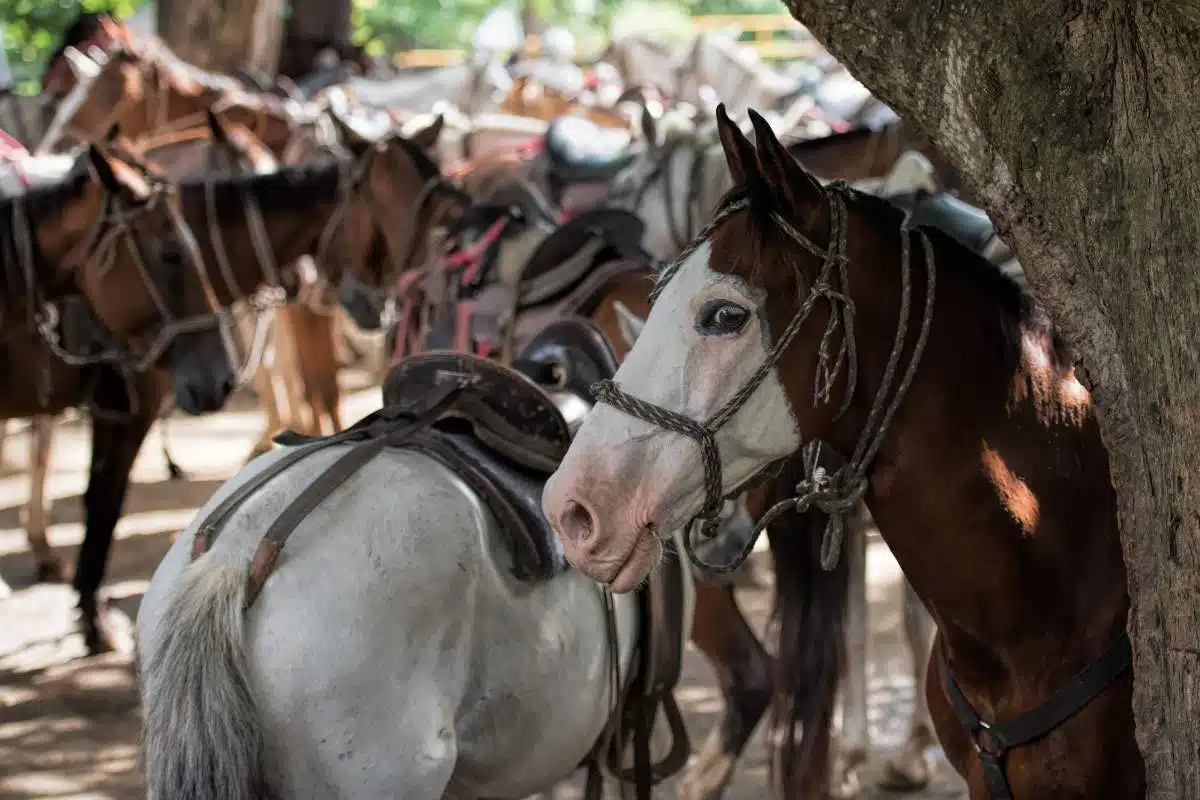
x,y
906,773
98,634
708,774
847,775
52,570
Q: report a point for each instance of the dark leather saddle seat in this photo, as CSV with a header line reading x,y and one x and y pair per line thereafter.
x,y
970,226
503,433
580,151
559,263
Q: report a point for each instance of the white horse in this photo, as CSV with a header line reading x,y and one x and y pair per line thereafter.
x,y
735,72
473,86
391,653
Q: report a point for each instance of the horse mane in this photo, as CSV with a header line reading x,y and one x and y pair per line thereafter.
x,y
288,188
35,204
426,167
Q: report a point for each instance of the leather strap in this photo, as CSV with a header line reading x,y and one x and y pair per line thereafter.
x,y
994,741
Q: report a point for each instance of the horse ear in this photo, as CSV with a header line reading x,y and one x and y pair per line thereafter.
x,y
630,324
350,137
787,180
214,124
427,138
649,127
739,153
103,170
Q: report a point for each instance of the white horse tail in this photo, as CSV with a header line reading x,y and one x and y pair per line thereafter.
x,y
202,738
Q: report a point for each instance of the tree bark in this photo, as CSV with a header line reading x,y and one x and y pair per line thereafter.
x,y
223,35
1075,123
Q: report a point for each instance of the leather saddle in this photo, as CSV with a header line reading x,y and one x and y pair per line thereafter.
x,y
969,226
505,434
562,259
580,151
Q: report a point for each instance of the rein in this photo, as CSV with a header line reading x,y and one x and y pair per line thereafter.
x,y
835,494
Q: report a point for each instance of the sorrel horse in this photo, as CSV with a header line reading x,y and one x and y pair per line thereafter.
x,y
300,211
120,231
184,153
143,87
967,411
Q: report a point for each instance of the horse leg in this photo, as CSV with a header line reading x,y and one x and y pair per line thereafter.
x,y
50,568
743,670
115,445
287,365
909,771
856,737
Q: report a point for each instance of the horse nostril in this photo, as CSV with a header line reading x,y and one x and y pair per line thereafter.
x,y
576,522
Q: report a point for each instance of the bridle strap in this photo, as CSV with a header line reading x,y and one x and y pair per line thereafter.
x,y
835,494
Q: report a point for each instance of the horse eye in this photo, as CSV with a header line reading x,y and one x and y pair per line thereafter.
x,y
720,318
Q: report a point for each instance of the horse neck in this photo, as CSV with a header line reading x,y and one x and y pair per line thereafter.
x,y
992,486
35,249
293,224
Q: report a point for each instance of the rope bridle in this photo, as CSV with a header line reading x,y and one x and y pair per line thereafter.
x,y
115,226
835,494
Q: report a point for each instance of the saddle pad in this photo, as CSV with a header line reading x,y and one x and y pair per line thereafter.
x,y
511,492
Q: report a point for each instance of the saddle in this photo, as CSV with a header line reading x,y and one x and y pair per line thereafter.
x,y
580,151
561,260
969,226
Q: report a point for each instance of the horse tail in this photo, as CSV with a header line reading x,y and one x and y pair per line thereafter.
x,y
808,618
201,736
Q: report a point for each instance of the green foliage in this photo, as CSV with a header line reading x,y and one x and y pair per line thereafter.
x,y
32,29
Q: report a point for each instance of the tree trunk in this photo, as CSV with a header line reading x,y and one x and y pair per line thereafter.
x,y
1075,122
315,25
223,35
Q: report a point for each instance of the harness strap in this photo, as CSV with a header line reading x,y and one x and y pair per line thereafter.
x,y
366,429
993,741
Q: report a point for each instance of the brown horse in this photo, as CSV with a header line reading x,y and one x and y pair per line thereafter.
x,y
967,412
143,87
181,154
331,203
118,230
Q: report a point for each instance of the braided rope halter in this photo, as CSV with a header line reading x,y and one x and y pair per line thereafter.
x,y
835,493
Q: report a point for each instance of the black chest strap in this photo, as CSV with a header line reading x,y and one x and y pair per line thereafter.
x,y
994,741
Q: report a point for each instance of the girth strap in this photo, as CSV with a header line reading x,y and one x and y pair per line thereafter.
x,y
993,741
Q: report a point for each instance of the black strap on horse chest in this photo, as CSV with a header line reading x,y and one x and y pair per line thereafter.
x,y
994,741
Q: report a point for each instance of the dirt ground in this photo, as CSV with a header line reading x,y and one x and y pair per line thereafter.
x,y
68,724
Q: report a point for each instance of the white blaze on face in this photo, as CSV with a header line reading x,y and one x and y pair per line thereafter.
x,y
676,367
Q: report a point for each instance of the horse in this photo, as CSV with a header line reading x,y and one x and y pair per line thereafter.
x,y
180,154
472,86
675,182
735,72
643,61
997,430
120,232
300,210
142,87
446,739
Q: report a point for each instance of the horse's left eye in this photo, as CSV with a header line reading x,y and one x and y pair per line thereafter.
x,y
721,318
